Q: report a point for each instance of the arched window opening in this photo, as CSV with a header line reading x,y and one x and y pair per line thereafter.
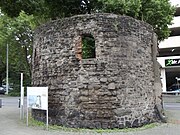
x,y
88,46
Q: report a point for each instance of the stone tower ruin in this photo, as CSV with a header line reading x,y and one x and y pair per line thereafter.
x,y
115,88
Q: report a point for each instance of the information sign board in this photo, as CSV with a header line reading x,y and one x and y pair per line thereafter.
x,y
37,97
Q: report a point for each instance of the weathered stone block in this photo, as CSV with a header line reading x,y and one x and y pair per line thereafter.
x,y
111,86
83,99
122,112
103,80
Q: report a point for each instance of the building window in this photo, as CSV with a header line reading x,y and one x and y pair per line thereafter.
x,y
88,46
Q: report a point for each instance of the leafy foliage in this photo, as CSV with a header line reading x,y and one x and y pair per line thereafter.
x,y
14,7
66,8
158,13
123,7
63,8
17,33
88,46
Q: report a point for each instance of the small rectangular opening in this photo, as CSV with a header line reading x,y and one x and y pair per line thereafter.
x,y
88,46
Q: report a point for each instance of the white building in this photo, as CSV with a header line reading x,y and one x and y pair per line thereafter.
x,y
169,52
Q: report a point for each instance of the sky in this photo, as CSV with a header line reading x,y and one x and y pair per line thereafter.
x,y
175,2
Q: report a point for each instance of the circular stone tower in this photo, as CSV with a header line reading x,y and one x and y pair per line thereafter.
x,y
116,87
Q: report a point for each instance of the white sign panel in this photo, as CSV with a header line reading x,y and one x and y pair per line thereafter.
x,y
37,97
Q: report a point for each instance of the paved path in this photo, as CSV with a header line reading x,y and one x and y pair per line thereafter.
x,y
11,125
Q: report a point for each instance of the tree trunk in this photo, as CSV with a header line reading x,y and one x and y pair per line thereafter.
x,y
1,80
27,62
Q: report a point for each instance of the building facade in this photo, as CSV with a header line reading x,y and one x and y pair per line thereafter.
x,y
169,54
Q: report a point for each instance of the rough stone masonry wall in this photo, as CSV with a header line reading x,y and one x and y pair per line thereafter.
x,y
114,90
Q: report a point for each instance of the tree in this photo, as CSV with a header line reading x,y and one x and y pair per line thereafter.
x,y
17,32
122,7
2,65
158,13
13,7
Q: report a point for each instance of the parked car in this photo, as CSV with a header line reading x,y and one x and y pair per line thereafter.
x,y
174,87
2,90
9,87
177,90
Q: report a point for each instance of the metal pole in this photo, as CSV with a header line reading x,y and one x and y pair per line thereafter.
x,y
27,117
47,112
22,98
7,83
47,115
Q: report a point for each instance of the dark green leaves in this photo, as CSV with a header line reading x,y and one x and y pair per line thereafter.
x,y
88,46
158,13
17,33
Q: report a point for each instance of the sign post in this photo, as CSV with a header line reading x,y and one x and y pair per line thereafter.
x,y
22,99
37,98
